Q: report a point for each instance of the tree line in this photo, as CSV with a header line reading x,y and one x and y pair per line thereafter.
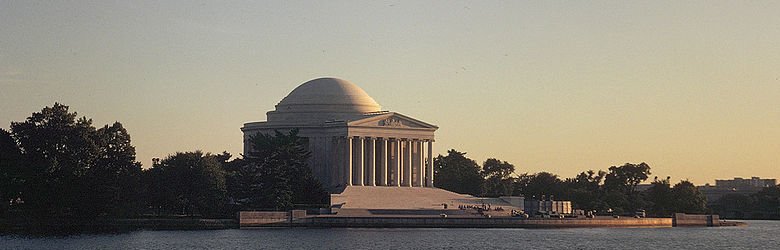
x,y
764,204
613,190
55,164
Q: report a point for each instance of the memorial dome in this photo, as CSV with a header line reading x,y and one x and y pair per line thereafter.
x,y
330,95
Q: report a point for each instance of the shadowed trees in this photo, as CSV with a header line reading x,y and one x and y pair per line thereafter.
x,y
767,202
275,175
688,199
115,178
539,185
660,196
61,166
762,205
455,172
58,149
498,177
67,168
625,178
620,187
615,190
189,183
11,176
585,190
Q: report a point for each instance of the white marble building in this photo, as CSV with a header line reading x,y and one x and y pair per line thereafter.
x,y
353,142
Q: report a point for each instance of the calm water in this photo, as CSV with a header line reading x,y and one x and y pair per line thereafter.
x,y
758,235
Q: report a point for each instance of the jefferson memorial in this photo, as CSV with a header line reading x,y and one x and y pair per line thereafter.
x,y
353,142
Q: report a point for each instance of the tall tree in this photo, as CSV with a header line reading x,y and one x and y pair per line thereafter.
x,y
688,199
455,172
767,203
115,178
11,177
498,177
735,206
188,183
59,149
540,185
585,190
275,175
625,178
660,196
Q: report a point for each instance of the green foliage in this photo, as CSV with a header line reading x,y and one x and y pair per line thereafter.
x,y
660,196
625,178
688,199
115,178
585,190
540,184
11,177
455,172
498,179
768,201
188,183
275,175
764,204
59,149
64,167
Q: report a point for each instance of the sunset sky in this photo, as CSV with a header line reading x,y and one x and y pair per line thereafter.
x,y
692,88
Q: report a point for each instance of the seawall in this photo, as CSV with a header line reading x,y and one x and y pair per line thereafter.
x,y
417,222
298,219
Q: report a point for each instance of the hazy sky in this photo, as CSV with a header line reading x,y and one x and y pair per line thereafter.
x,y
692,88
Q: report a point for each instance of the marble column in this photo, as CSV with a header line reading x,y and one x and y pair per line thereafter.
x,y
348,160
397,162
338,148
383,160
408,162
370,161
429,166
419,162
357,161
332,163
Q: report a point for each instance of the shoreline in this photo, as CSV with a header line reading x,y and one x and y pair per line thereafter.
x,y
252,219
184,224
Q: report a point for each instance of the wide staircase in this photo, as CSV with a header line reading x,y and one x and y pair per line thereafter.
x,y
407,201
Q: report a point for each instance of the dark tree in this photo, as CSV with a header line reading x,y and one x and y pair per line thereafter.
x,y
625,178
767,203
115,178
498,179
59,150
457,173
11,176
620,187
660,196
189,183
275,175
541,185
585,190
735,206
688,199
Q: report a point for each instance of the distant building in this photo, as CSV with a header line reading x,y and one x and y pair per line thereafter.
x,y
740,183
734,186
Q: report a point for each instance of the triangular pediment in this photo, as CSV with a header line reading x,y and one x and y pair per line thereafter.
x,y
392,120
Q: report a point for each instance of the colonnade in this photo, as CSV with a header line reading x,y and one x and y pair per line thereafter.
x,y
379,161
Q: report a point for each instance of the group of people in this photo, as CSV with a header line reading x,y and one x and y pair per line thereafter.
x,y
483,207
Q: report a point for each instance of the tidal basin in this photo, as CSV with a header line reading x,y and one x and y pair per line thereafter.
x,y
757,235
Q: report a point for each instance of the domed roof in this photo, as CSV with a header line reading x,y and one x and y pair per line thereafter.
x,y
328,95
